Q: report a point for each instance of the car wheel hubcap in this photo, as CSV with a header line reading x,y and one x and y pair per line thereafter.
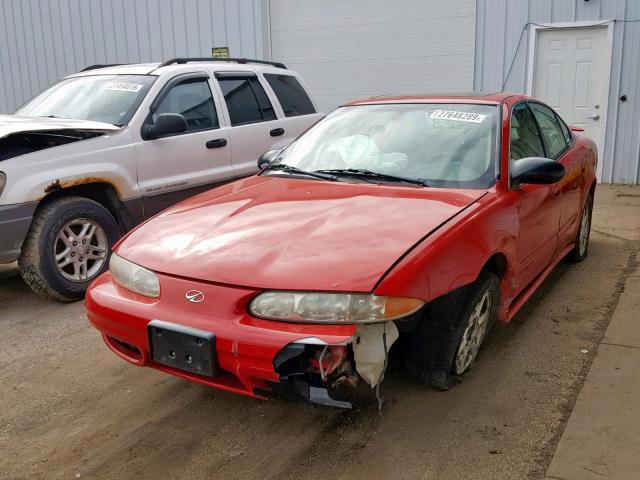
x,y
80,250
584,230
473,334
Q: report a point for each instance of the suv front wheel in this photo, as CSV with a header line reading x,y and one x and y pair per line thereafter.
x,y
67,247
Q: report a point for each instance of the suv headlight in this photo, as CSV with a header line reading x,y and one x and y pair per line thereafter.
x,y
3,181
304,307
134,277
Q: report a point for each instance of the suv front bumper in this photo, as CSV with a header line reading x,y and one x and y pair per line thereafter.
x,y
15,221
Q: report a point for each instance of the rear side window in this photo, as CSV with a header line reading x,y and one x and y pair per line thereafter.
x,y
246,100
552,133
192,99
525,138
292,97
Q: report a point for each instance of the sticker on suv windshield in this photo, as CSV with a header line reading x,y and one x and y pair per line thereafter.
x,y
125,87
457,116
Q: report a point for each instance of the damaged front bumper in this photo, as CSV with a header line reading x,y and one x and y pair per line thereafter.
x,y
254,357
15,221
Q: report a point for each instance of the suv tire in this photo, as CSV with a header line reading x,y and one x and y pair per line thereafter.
x,y
68,245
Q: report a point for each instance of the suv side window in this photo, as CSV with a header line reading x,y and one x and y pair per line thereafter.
x,y
246,100
525,138
292,97
192,99
552,133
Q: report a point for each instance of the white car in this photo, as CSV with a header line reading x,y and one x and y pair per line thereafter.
x,y
104,149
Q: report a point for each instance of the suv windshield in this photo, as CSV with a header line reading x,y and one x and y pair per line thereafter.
x,y
99,98
447,145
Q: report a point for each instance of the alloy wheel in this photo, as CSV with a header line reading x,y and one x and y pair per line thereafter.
x,y
474,333
80,249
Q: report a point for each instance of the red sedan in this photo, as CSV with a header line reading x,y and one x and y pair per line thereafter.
x,y
425,217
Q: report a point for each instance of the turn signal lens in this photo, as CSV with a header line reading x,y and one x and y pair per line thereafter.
x,y
319,307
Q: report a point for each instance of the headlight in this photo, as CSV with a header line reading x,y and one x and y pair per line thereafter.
x,y
3,181
134,277
331,307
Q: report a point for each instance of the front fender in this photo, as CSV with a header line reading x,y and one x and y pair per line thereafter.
x,y
456,253
106,159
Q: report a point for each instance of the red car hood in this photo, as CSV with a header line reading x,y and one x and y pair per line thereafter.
x,y
290,233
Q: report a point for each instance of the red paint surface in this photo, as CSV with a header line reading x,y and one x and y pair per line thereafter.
x,y
296,234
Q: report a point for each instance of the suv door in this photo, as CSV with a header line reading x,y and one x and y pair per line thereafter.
x,y
255,126
174,167
558,143
297,106
538,205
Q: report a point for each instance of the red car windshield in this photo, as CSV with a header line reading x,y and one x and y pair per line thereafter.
x,y
446,145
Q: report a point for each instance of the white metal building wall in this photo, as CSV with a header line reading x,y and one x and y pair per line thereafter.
x,y
499,24
44,40
347,49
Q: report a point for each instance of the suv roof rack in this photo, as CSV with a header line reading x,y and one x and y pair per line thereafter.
x,y
105,65
210,59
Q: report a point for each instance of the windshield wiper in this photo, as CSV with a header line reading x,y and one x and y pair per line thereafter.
x,y
368,173
283,167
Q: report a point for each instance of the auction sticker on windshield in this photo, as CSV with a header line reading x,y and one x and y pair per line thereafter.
x,y
125,87
457,116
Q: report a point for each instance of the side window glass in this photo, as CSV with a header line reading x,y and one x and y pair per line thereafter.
x,y
246,100
554,139
525,138
193,100
291,95
565,131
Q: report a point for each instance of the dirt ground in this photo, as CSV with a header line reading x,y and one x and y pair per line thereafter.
x,y
71,409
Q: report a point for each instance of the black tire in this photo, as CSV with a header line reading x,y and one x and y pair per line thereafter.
x,y
37,263
431,350
581,250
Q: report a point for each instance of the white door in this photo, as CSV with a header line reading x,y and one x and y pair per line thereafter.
x,y
571,74
348,49
175,167
256,125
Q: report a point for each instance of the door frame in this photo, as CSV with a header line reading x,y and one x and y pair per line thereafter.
x,y
531,63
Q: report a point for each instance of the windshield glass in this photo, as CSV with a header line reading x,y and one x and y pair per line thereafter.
x,y
448,145
99,98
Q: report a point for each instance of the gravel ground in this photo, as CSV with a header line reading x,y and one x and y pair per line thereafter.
x,y
72,409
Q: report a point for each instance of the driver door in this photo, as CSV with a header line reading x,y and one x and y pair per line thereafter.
x,y
176,167
538,206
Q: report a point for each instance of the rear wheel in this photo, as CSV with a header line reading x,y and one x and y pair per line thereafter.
x,y
448,339
67,247
581,246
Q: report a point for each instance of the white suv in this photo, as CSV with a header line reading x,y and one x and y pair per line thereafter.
x,y
131,140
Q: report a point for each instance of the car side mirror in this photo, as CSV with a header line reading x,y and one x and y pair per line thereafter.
x,y
266,158
165,124
536,170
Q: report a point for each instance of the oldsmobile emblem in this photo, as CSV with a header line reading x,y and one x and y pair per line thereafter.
x,y
194,296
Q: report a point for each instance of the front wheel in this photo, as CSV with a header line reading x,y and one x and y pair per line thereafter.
x,y
449,336
67,247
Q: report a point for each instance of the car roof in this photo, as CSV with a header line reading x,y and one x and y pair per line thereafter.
x,y
444,97
158,69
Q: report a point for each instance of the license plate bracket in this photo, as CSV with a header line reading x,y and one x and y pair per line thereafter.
x,y
184,348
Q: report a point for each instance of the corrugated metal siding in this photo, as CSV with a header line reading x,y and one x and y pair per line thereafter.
x,y
44,40
498,27
360,48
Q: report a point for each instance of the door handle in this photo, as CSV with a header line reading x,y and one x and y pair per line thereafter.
x,y
595,116
555,192
217,143
276,132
